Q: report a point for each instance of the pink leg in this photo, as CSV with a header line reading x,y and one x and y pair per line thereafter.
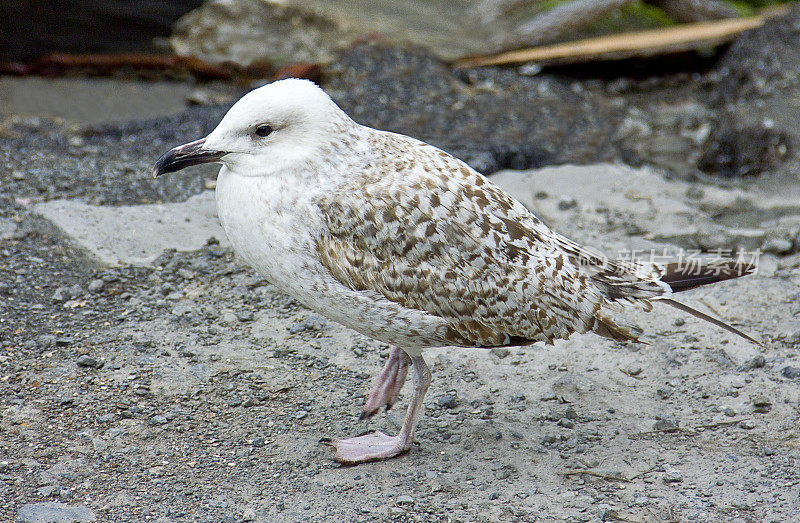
x,y
377,445
391,380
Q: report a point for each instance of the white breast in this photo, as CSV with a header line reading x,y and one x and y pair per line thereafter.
x,y
260,217
273,224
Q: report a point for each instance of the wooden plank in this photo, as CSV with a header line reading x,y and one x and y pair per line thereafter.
x,y
679,38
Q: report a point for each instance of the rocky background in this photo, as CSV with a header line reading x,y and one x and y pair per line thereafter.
x,y
147,374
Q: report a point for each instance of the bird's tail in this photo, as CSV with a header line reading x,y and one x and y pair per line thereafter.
x,y
684,276
679,277
703,316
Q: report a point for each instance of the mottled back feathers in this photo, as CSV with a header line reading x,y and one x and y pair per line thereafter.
x,y
432,234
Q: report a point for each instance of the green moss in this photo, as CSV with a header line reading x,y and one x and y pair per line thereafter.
x,y
633,17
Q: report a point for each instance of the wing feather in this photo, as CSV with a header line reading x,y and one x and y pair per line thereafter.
x,y
439,237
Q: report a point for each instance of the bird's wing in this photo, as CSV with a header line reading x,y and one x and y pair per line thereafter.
x,y
428,232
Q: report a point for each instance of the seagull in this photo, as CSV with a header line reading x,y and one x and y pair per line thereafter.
x,y
403,242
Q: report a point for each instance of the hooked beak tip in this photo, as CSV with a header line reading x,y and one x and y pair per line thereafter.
x,y
193,153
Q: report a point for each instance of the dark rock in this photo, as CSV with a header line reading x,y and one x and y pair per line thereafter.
x,y
447,401
36,27
500,352
566,204
666,425
762,404
310,323
755,363
790,372
88,361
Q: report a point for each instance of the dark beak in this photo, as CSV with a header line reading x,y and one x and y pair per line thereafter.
x,y
185,155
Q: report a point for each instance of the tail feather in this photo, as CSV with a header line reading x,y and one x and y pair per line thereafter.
x,y
684,276
679,277
703,316
607,328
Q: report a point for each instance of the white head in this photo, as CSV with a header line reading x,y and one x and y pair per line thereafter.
x,y
278,126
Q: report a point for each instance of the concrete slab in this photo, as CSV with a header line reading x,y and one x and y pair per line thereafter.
x,y
138,234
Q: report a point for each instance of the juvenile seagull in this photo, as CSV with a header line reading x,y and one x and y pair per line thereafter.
x,y
404,243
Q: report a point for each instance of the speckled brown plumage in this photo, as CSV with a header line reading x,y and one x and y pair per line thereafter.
x,y
425,230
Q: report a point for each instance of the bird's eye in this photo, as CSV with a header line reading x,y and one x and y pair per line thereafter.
x,y
263,130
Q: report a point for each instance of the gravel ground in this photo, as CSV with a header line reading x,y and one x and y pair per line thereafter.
x,y
193,391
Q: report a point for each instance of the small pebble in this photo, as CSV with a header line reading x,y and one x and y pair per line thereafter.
x,y
405,499
664,393
762,404
60,295
566,423
695,192
747,424
673,476
45,341
447,401
790,372
564,204
88,361
666,425
500,352
244,315
777,246
755,363
186,274
96,285
159,419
